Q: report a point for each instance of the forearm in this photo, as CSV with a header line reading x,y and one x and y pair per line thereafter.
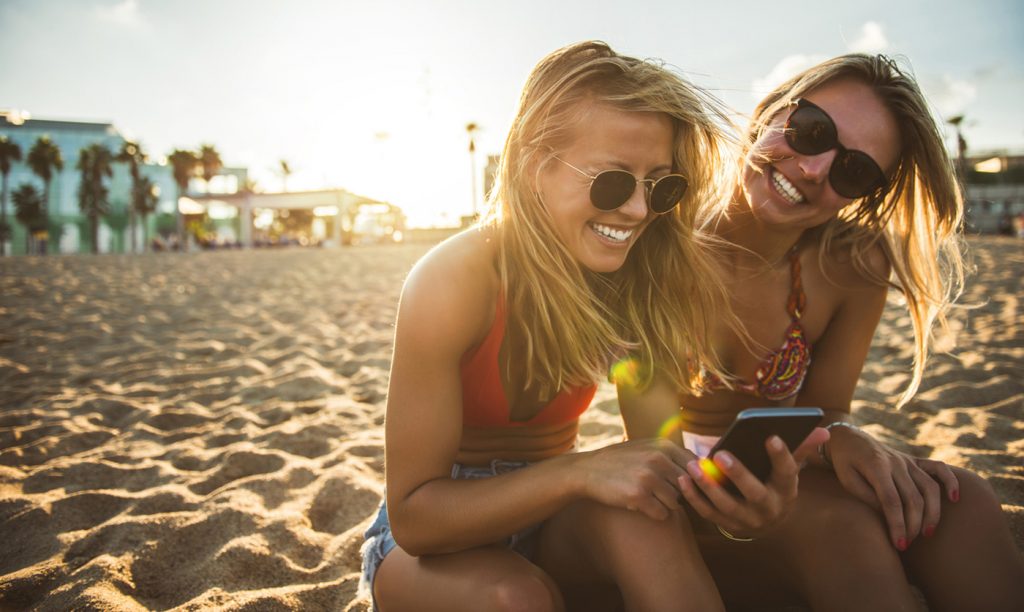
x,y
446,515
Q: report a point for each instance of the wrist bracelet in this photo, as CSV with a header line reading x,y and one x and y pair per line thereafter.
x,y
821,447
728,535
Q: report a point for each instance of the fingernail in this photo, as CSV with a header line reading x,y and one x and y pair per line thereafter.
x,y
929,531
954,495
725,459
775,442
694,469
901,544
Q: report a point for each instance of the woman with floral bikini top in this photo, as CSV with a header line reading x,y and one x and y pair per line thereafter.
x,y
845,174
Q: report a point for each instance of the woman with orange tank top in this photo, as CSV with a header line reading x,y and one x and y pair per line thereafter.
x,y
503,332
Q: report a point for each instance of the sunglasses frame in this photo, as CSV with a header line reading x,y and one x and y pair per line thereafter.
x,y
843,154
649,186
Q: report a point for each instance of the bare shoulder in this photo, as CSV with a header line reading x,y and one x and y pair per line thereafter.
x,y
452,289
857,272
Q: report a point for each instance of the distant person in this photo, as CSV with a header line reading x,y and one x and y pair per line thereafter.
x,y
503,332
845,190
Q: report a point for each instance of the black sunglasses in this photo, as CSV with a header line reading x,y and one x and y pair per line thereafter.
x,y
810,131
613,188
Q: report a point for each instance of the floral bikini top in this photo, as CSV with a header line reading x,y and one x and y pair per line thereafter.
x,y
781,374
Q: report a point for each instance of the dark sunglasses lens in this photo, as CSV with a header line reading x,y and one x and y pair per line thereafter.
x,y
667,193
854,174
611,189
810,131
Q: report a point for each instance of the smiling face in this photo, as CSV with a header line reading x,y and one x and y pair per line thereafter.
x,y
788,189
605,138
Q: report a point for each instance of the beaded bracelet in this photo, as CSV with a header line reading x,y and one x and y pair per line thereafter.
x,y
821,447
728,535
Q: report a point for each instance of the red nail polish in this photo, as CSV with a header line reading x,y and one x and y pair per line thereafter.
x,y
929,531
901,544
954,495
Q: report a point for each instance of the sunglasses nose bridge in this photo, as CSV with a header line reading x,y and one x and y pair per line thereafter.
x,y
815,168
637,203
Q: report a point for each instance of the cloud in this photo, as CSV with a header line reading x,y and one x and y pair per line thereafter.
x,y
872,39
949,95
125,13
787,67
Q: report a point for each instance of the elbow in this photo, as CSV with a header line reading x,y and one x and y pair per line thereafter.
x,y
412,536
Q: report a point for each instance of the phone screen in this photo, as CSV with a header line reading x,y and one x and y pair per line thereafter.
x,y
746,437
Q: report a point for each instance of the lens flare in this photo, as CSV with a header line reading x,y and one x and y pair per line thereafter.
x,y
711,470
671,427
625,372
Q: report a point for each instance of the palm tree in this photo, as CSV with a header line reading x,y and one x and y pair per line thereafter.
x,y
209,160
471,129
9,152
94,162
144,201
286,171
132,154
45,160
28,210
184,164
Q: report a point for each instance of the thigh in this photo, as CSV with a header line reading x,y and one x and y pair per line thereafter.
x,y
486,578
604,557
831,552
971,561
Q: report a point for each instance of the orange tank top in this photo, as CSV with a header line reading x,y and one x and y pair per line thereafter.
x,y
483,398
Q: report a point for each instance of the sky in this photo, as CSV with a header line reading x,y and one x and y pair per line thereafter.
x,y
374,96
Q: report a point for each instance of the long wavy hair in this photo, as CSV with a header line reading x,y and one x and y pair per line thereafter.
x,y
661,305
916,219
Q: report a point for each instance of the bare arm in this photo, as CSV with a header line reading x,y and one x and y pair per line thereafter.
x,y
905,489
446,307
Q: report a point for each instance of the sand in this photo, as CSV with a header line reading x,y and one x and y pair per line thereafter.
x,y
203,430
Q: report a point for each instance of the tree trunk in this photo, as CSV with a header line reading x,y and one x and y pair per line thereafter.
x,y
44,243
131,227
94,229
3,218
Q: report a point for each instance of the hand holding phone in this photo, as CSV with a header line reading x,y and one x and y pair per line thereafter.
x,y
747,435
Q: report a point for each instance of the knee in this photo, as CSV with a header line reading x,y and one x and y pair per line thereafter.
x,y
840,523
524,592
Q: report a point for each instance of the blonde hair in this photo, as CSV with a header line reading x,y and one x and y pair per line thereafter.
x,y
660,306
917,220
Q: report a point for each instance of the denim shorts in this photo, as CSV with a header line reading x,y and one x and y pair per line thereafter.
x,y
378,541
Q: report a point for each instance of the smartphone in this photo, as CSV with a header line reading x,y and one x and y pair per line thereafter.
x,y
747,435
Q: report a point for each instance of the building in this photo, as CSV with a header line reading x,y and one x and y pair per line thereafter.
x,y
69,228
994,188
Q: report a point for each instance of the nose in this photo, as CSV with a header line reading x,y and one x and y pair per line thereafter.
x,y
815,168
636,206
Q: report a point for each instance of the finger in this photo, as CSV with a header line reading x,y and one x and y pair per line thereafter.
x,y
749,487
942,472
931,495
891,505
696,498
911,499
809,447
785,469
708,478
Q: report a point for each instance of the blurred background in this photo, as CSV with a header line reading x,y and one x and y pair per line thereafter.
x,y
332,122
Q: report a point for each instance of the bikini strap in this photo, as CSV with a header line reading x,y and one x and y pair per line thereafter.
x,y
797,298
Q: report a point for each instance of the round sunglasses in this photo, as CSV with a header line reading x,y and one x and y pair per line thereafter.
x,y
810,131
611,189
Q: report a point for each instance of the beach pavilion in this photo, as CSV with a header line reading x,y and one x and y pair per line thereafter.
x,y
346,216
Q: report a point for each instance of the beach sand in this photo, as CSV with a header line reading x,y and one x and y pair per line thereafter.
x,y
203,430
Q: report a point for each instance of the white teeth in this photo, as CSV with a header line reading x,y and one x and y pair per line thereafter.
x,y
611,233
788,191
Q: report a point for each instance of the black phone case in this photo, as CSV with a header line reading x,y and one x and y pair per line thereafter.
x,y
746,437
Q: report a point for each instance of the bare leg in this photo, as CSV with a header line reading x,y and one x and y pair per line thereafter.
x,y
832,550
655,564
971,562
482,579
